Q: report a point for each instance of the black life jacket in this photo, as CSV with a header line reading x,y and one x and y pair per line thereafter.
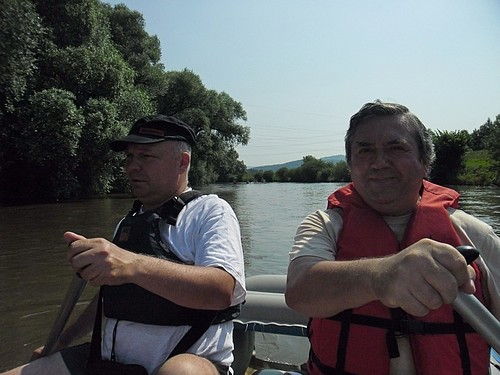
x,y
141,234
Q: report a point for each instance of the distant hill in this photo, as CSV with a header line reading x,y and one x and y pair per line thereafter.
x,y
297,163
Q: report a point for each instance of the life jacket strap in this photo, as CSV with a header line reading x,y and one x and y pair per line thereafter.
x,y
462,344
406,325
400,324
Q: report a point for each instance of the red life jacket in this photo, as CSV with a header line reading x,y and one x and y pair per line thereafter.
x,y
362,340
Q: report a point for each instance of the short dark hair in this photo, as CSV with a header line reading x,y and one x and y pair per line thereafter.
x,y
414,125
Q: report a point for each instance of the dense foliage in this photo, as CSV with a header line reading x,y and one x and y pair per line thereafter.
x,y
75,74
468,159
311,170
450,150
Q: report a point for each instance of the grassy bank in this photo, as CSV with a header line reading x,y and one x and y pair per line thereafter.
x,y
480,169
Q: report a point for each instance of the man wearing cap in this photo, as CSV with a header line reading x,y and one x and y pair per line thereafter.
x,y
173,277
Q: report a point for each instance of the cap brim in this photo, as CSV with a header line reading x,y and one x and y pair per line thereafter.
x,y
121,144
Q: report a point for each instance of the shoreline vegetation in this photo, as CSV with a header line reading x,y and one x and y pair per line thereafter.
x,y
477,169
473,168
84,74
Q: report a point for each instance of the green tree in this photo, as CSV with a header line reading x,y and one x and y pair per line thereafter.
x,y
88,71
258,176
98,166
82,62
326,173
282,175
100,71
268,176
19,21
228,171
132,103
341,172
74,22
239,171
493,146
479,138
314,170
309,170
450,148
215,117
49,131
139,49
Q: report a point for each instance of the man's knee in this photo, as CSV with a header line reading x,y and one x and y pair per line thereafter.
x,y
187,364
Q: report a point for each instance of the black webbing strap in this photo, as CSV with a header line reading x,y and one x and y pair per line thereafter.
x,y
191,336
170,210
404,326
95,343
390,337
341,351
462,344
345,324
325,369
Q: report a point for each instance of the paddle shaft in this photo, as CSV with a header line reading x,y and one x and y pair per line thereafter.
x,y
479,318
72,296
472,310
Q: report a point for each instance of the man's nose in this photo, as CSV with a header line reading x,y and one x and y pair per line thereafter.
x,y
132,164
381,159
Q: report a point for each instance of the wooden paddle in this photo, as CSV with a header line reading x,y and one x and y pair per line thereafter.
x,y
72,296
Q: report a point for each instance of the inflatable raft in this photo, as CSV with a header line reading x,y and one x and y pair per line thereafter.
x,y
265,311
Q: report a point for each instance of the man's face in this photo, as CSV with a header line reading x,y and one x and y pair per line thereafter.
x,y
154,171
385,165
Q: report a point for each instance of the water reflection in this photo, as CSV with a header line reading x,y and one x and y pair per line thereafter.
x,y
269,215
482,202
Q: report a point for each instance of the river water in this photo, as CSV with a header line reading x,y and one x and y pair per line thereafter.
x,y
34,274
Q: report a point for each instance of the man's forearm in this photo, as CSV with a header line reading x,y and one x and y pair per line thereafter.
x,y
325,288
186,285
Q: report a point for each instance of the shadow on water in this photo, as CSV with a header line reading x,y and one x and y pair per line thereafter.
x,y
34,274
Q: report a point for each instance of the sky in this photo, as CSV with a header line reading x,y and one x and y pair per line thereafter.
x,y
302,68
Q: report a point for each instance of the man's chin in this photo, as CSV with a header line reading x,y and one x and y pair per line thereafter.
x,y
137,192
379,185
382,200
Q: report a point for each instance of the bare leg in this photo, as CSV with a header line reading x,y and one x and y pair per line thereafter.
x,y
53,365
187,364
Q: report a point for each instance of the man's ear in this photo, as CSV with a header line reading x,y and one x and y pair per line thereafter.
x,y
185,160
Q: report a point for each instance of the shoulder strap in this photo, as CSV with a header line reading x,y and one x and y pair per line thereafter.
x,y
188,196
170,210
